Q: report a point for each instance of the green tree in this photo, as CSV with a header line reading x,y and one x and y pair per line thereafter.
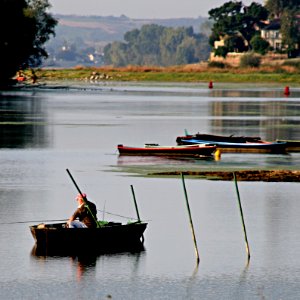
x,y
289,29
276,7
235,19
25,27
235,43
116,54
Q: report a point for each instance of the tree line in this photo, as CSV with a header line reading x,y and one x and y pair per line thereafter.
x,y
158,45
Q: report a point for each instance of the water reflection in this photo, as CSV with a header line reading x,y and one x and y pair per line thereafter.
x,y
159,160
272,119
252,92
22,121
85,264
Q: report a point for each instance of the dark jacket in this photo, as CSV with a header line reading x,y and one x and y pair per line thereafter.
x,y
84,214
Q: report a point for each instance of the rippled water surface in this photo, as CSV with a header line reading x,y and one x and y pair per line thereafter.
x,y
44,131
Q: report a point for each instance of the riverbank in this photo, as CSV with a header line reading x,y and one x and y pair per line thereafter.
x,y
188,73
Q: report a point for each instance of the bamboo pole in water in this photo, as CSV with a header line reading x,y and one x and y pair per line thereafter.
x,y
191,221
136,208
242,217
135,204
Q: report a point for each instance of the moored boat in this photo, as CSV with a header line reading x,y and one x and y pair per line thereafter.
x,y
107,238
291,145
155,149
234,144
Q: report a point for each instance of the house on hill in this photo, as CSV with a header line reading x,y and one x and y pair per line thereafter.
x,y
271,33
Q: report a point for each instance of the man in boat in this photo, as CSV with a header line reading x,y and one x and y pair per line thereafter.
x,y
86,213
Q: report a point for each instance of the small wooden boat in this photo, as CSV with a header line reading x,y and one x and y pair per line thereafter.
x,y
223,138
155,149
291,145
109,237
234,144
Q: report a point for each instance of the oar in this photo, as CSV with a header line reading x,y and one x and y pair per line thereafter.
x,y
83,197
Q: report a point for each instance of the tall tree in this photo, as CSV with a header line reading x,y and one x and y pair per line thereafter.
x,y
289,29
277,7
287,11
25,27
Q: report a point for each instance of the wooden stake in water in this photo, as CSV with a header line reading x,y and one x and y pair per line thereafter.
x,y
191,221
135,204
242,216
136,208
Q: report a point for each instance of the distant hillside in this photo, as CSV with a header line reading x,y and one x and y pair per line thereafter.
x,y
79,37
113,28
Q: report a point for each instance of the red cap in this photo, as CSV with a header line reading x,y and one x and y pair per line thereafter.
x,y
80,196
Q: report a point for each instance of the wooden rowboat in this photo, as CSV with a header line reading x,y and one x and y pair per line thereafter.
x,y
234,144
291,145
108,238
155,149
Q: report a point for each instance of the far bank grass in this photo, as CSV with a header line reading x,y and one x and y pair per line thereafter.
x,y
285,75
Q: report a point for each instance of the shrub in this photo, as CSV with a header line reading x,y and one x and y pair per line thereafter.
x,y
259,45
221,51
216,64
250,60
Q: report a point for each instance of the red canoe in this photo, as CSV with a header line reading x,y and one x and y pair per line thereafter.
x,y
155,149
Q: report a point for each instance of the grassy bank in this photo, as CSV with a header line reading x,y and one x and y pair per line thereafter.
x,y
189,73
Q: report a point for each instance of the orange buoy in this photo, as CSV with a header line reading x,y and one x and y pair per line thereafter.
x,y
286,90
210,85
218,154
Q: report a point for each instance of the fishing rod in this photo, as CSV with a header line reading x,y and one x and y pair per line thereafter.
x,y
116,215
33,221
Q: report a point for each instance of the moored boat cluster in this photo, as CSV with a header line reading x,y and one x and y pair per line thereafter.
x,y
209,145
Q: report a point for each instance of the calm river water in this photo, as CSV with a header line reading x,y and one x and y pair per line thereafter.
x,y
44,131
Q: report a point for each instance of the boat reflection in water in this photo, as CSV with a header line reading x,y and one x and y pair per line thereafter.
x,y
84,264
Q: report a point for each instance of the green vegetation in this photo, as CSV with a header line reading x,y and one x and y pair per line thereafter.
x,y
158,45
26,26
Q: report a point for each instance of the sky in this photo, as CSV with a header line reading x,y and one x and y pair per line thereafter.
x,y
139,9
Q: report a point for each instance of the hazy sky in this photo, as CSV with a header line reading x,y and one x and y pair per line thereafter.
x,y
137,9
